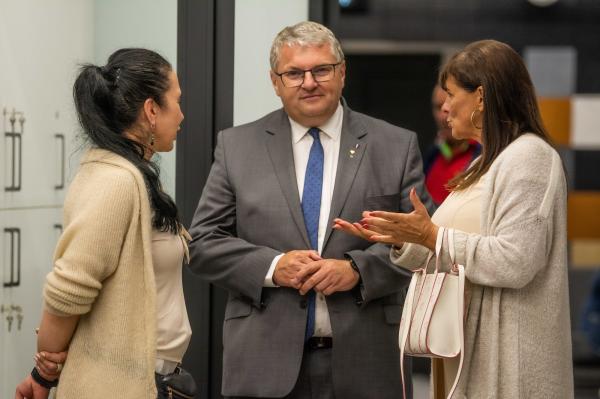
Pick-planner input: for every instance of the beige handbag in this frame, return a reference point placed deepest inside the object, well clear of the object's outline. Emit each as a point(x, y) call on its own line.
point(433, 314)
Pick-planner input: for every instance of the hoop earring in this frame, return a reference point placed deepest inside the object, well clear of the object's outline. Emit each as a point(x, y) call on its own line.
point(473, 123)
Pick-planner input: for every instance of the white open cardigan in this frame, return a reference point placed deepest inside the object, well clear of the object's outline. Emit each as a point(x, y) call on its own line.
point(517, 332)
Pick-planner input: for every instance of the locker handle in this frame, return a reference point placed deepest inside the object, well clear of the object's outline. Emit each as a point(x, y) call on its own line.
point(15, 235)
point(15, 184)
point(15, 136)
point(61, 137)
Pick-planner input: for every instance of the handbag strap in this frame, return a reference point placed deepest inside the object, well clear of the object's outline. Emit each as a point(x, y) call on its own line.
point(408, 314)
point(442, 232)
point(461, 308)
point(451, 249)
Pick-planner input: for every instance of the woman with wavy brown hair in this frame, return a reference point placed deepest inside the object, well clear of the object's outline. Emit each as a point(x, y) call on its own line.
point(508, 212)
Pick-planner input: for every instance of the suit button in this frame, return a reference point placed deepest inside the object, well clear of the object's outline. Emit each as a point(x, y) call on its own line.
point(303, 303)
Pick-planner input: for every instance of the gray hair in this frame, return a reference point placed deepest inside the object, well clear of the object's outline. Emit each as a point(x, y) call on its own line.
point(306, 33)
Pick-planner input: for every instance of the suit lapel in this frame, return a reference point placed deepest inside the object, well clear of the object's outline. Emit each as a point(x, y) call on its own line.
point(279, 147)
point(352, 149)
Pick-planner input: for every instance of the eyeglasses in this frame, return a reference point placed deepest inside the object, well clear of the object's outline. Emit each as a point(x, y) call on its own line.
point(320, 73)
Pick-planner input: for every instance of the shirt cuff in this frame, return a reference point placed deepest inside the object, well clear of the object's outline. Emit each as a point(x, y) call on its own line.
point(269, 277)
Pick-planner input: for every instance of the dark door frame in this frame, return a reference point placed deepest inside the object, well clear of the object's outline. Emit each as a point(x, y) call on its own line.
point(205, 48)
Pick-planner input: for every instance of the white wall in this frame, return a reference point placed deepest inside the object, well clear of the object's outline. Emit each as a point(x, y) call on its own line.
point(41, 44)
point(256, 24)
point(139, 23)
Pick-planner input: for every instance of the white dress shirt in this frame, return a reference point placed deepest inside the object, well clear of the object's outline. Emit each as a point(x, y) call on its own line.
point(329, 134)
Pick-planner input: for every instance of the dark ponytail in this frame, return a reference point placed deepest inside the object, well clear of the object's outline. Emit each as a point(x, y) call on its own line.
point(109, 99)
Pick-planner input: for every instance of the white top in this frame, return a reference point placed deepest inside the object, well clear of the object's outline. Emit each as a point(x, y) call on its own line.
point(173, 327)
point(330, 135)
point(461, 210)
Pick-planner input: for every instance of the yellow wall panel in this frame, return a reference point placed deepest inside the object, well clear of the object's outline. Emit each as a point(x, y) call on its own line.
point(584, 214)
point(556, 114)
point(585, 253)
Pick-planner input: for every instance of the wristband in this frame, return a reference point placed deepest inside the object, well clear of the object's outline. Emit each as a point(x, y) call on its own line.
point(353, 265)
point(357, 289)
point(42, 381)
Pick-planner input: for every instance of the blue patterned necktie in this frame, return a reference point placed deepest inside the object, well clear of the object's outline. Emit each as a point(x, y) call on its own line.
point(311, 209)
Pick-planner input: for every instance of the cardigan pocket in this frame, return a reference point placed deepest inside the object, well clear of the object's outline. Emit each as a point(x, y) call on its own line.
point(237, 308)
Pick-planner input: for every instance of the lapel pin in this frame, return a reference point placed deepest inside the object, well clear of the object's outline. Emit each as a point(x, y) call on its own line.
point(353, 151)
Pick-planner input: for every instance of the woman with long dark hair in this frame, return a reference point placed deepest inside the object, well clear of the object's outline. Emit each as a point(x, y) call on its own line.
point(508, 212)
point(114, 299)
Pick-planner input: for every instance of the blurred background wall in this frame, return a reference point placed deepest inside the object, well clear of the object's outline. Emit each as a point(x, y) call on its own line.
point(137, 23)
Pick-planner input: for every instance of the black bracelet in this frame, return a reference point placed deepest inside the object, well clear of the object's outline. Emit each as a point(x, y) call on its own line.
point(353, 265)
point(42, 381)
point(357, 289)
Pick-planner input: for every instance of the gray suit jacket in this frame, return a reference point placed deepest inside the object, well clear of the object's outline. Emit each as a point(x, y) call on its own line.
point(250, 212)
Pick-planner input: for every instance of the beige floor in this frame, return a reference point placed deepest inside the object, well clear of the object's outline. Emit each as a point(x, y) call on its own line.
point(420, 386)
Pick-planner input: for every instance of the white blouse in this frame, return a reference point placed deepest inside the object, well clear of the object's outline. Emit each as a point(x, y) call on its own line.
point(173, 327)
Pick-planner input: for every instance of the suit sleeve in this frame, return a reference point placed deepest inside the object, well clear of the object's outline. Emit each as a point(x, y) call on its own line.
point(413, 177)
point(380, 277)
point(217, 254)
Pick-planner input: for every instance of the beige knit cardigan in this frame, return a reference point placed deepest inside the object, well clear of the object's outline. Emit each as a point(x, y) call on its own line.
point(517, 332)
point(103, 271)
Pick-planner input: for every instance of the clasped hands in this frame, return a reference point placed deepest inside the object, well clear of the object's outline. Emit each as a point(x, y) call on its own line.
point(394, 228)
point(305, 270)
point(49, 366)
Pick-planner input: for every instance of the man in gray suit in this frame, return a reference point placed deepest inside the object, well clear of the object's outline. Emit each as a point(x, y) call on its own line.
point(312, 313)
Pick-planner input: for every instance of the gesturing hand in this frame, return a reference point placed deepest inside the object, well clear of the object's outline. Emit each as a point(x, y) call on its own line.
point(395, 228)
point(356, 229)
point(290, 264)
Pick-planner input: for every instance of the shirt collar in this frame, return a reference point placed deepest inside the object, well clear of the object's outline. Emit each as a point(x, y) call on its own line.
point(332, 128)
